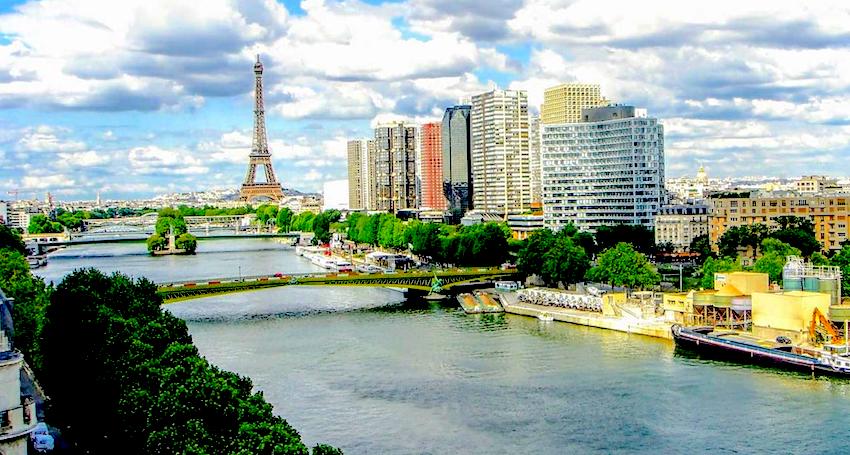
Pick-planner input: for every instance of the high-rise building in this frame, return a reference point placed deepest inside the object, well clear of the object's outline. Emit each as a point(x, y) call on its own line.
point(534, 158)
point(563, 103)
point(457, 168)
point(431, 166)
point(501, 172)
point(607, 169)
point(395, 171)
point(357, 180)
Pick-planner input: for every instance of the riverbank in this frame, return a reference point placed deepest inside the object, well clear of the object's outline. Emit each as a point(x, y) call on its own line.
point(626, 324)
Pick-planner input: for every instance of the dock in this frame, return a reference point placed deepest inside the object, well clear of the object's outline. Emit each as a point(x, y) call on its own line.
point(480, 302)
point(624, 323)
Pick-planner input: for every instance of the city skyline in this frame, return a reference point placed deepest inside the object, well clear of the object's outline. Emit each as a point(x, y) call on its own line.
point(133, 107)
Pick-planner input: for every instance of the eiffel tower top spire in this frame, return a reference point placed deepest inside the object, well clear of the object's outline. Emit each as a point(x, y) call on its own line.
point(260, 143)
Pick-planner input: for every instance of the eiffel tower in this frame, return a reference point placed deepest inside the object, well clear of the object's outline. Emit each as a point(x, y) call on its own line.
point(260, 155)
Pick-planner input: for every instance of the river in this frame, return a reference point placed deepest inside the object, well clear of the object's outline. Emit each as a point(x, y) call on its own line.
point(366, 371)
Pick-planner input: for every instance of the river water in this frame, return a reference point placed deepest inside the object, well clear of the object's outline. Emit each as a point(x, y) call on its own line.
point(366, 371)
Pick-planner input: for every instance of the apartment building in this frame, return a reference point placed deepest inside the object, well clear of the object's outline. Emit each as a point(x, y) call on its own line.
point(395, 167)
point(607, 169)
point(431, 166)
point(680, 224)
point(828, 212)
point(501, 171)
point(564, 103)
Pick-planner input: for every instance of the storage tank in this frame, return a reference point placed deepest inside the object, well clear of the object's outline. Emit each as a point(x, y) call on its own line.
point(811, 284)
point(792, 284)
point(830, 286)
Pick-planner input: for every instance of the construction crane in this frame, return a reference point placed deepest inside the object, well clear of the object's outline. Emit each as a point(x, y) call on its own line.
point(816, 335)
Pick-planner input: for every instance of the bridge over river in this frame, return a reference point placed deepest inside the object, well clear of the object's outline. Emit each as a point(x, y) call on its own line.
point(416, 280)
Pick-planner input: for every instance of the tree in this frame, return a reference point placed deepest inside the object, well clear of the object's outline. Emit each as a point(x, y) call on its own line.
point(565, 262)
point(154, 392)
point(39, 224)
point(303, 222)
point(186, 241)
point(284, 219)
point(530, 257)
point(716, 265)
point(156, 242)
point(842, 260)
point(322, 224)
point(640, 237)
point(31, 295)
point(10, 239)
point(622, 265)
point(702, 244)
point(773, 257)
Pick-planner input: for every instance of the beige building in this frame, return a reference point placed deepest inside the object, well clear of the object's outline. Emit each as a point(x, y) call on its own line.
point(680, 224)
point(815, 184)
point(501, 168)
point(535, 158)
point(829, 213)
point(563, 103)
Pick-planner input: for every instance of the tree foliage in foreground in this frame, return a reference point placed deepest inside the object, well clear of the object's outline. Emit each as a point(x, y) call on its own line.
point(556, 257)
point(123, 374)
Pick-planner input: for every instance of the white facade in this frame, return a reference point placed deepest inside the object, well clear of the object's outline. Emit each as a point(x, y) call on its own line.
point(606, 171)
point(17, 413)
point(501, 168)
point(4, 215)
point(18, 219)
point(680, 224)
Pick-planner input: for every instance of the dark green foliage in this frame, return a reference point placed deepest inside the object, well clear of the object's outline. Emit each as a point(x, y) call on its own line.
point(642, 238)
point(39, 224)
point(303, 222)
point(112, 353)
point(284, 220)
point(716, 265)
point(30, 294)
point(624, 266)
point(702, 244)
point(773, 257)
point(156, 242)
point(267, 212)
point(186, 241)
point(209, 210)
point(10, 239)
point(322, 224)
point(796, 231)
point(842, 260)
point(557, 258)
point(324, 449)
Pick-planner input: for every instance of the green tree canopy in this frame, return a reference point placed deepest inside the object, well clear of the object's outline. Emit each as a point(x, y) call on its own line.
point(566, 262)
point(622, 265)
point(702, 244)
point(716, 265)
point(773, 257)
point(10, 239)
point(39, 224)
point(640, 237)
point(284, 219)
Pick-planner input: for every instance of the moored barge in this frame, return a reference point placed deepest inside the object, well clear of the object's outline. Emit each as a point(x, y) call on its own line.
point(730, 345)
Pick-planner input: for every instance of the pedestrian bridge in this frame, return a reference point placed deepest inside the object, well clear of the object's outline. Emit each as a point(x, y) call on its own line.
point(418, 280)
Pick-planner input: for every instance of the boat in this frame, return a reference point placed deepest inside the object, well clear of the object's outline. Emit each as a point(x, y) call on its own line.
point(830, 360)
point(545, 317)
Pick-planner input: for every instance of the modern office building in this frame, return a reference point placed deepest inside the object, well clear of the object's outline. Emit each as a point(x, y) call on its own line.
point(564, 103)
point(680, 224)
point(501, 170)
point(457, 166)
point(534, 158)
point(828, 212)
point(607, 169)
point(431, 166)
point(395, 167)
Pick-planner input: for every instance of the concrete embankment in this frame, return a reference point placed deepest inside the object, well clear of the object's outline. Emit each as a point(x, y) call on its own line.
point(587, 318)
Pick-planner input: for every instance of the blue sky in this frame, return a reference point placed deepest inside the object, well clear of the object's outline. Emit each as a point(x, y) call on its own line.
point(141, 97)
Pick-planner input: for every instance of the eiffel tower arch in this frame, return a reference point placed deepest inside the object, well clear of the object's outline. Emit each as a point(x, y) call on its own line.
point(260, 156)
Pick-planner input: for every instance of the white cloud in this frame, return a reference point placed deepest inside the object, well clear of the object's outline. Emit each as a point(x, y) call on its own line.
point(44, 139)
point(154, 160)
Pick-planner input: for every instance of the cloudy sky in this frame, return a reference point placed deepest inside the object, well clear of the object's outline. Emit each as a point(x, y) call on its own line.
point(140, 97)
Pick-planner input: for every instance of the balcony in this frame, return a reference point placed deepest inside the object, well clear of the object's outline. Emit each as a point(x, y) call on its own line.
point(19, 420)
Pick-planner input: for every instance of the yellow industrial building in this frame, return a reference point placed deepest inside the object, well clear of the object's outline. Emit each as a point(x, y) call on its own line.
point(787, 314)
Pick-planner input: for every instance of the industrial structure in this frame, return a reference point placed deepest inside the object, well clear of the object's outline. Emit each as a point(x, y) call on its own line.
point(260, 156)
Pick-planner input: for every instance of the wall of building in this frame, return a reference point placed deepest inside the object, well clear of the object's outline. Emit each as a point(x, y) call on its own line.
point(563, 103)
point(603, 173)
point(432, 166)
point(501, 172)
point(789, 311)
point(457, 158)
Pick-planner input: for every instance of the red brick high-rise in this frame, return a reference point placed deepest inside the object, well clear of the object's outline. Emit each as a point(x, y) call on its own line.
point(432, 167)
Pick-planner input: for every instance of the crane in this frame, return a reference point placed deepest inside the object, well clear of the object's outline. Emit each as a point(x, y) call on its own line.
point(818, 317)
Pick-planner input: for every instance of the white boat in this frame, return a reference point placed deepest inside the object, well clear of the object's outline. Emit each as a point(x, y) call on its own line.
point(545, 317)
point(343, 266)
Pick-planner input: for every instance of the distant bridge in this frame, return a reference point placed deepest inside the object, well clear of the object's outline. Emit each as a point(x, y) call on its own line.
point(418, 280)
